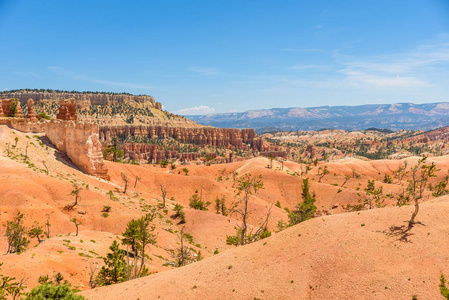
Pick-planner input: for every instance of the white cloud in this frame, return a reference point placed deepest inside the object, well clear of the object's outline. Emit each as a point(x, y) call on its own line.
point(205, 71)
point(196, 110)
point(308, 67)
point(412, 69)
point(303, 50)
point(361, 78)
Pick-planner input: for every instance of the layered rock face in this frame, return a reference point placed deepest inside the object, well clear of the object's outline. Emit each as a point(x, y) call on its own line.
point(202, 136)
point(80, 141)
point(154, 153)
point(67, 110)
point(84, 99)
point(6, 107)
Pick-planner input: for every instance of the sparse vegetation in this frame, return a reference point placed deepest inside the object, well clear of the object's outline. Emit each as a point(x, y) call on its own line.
point(77, 224)
point(15, 234)
point(247, 185)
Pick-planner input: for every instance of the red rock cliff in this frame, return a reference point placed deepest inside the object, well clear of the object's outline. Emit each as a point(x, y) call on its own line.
point(202, 136)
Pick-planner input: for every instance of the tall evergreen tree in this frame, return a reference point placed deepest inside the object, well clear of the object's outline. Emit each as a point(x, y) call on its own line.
point(114, 270)
point(304, 210)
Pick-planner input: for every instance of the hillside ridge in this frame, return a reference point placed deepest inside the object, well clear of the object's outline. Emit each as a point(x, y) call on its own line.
point(387, 116)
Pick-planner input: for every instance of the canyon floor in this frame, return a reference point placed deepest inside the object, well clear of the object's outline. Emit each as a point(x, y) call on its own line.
point(337, 255)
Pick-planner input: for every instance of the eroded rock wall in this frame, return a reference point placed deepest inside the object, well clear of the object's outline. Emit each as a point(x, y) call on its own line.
point(80, 141)
point(155, 153)
point(202, 136)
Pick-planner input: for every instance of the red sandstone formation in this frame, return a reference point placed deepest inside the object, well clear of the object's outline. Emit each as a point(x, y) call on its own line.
point(6, 104)
point(202, 136)
point(67, 110)
point(311, 150)
point(154, 153)
point(274, 154)
point(81, 144)
point(434, 135)
point(31, 115)
point(78, 140)
point(1, 107)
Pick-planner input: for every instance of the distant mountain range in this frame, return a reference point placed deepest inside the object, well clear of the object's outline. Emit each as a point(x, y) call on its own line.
point(384, 116)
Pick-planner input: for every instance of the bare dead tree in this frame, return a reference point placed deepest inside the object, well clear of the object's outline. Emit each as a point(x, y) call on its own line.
point(182, 253)
point(126, 180)
point(135, 182)
point(247, 185)
point(164, 193)
point(92, 281)
point(347, 177)
point(45, 165)
point(26, 151)
point(47, 223)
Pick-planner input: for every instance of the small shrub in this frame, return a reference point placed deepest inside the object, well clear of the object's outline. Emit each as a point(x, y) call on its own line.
point(196, 203)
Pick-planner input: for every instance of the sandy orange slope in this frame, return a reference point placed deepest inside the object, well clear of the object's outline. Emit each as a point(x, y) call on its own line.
point(363, 255)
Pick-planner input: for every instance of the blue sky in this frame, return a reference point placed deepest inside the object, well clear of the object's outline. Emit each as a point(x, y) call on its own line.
point(223, 56)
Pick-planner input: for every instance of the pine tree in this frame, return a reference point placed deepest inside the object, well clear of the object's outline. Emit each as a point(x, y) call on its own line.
point(114, 270)
point(304, 210)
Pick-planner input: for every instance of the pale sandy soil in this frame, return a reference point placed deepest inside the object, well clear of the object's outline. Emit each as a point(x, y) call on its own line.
point(346, 256)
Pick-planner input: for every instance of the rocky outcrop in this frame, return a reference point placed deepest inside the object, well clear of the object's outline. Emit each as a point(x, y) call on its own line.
point(202, 136)
point(67, 110)
point(8, 104)
point(155, 153)
point(31, 115)
point(84, 99)
point(80, 141)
